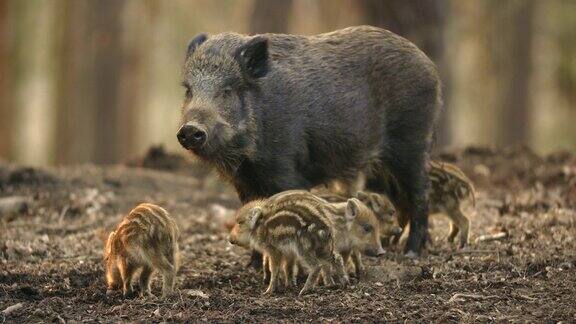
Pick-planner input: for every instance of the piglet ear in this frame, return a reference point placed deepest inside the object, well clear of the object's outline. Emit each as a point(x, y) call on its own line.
point(255, 216)
point(195, 42)
point(352, 209)
point(253, 57)
point(384, 205)
point(362, 196)
point(377, 202)
point(369, 199)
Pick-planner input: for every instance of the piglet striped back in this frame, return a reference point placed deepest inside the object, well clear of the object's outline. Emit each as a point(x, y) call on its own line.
point(150, 221)
point(448, 179)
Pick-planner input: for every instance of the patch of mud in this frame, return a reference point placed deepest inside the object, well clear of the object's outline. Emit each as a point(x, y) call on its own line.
point(51, 262)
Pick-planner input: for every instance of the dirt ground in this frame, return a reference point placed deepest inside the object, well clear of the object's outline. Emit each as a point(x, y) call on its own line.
point(53, 220)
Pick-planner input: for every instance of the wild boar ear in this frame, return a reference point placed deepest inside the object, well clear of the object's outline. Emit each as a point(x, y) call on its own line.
point(352, 209)
point(253, 57)
point(195, 42)
point(256, 213)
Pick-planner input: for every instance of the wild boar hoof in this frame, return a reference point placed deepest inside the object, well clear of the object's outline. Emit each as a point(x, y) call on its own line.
point(411, 255)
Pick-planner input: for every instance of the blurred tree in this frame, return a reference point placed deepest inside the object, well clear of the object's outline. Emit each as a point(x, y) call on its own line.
point(5, 85)
point(30, 89)
point(565, 30)
point(139, 21)
point(270, 16)
point(423, 22)
point(337, 14)
point(74, 98)
point(101, 80)
point(106, 28)
point(510, 41)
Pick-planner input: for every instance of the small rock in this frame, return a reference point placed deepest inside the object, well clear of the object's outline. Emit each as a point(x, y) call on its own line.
point(482, 170)
point(11, 309)
point(14, 205)
point(566, 265)
point(198, 293)
point(157, 312)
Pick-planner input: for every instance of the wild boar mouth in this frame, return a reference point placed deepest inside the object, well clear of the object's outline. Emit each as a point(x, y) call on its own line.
point(225, 156)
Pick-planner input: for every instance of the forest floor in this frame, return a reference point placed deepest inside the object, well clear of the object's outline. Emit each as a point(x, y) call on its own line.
point(53, 220)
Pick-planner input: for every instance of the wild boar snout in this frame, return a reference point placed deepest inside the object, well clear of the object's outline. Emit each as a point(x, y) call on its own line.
point(375, 252)
point(191, 136)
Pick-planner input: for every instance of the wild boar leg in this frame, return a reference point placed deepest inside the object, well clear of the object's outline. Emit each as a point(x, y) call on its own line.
point(358, 265)
point(326, 276)
point(266, 268)
point(340, 269)
point(409, 171)
point(168, 271)
point(145, 279)
point(295, 270)
point(288, 266)
point(274, 261)
point(126, 269)
point(460, 224)
point(311, 280)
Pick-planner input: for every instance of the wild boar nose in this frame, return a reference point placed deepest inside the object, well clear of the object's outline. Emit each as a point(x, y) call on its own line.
point(191, 136)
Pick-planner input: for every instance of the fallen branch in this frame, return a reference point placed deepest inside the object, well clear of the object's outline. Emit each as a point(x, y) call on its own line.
point(526, 297)
point(475, 252)
point(461, 297)
point(492, 237)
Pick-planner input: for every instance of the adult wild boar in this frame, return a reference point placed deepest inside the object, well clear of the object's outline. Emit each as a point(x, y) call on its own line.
point(275, 112)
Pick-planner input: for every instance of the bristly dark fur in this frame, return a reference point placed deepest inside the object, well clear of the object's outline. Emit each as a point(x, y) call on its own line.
point(309, 109)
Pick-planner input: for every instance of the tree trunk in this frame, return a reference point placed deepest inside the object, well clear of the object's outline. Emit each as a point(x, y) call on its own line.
point(138, 25)
point(74, 104)
point(106, 21)
point(89, 112)
point(517, 61)
point(5, 85)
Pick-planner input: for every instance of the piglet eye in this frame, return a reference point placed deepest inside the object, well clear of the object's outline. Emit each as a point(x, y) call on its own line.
point(367, 228)
point(227, 92)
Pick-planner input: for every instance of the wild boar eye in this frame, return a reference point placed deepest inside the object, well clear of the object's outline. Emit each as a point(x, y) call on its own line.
point(367, 228)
